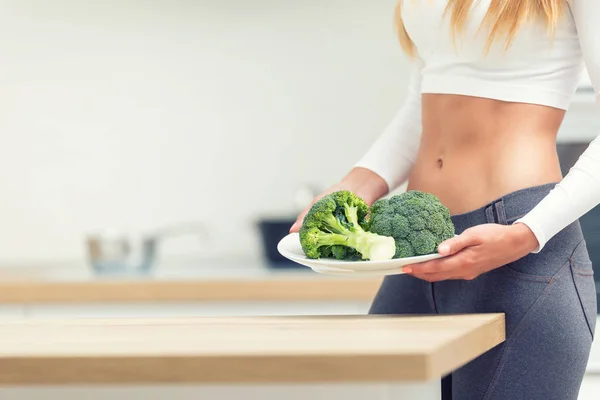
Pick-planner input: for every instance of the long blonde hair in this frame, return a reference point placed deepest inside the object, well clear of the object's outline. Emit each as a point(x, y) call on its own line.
point(503, 17)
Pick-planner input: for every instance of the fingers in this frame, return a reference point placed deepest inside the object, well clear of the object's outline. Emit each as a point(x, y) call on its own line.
point(439, 266)
point(296, 226)
point(446, 276)
point(458, 266)
point(457, 243)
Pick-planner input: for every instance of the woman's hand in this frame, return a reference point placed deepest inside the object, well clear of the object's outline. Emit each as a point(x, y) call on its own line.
point(362, 182)
point(477, 250)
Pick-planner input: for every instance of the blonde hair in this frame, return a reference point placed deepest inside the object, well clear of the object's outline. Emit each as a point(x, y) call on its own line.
point(503, 17)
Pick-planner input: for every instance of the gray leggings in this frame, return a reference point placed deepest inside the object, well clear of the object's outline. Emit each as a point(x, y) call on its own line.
point(549, 300)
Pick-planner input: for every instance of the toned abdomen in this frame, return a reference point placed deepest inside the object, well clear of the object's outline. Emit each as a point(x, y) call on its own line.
point(475, 150)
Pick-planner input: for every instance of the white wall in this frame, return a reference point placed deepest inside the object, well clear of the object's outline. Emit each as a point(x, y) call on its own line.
point(132, 114)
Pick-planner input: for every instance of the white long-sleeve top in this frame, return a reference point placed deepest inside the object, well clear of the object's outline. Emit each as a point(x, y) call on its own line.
point(537, 69)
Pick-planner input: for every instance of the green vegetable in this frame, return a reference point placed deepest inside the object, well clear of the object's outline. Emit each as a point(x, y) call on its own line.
point(335, 227)
point(417, 221)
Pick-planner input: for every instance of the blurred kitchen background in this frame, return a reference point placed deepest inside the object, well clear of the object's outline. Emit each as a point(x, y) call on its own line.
point(134, 115)
point(206, 123)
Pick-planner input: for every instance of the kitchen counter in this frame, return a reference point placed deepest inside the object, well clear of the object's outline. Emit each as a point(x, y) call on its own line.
point(226, 350)
point(213, 281)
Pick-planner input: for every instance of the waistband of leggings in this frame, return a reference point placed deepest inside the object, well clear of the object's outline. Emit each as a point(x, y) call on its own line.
point(506, 209)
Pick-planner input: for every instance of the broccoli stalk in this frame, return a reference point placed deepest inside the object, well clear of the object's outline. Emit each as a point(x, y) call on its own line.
point(334, 227)
point(371, 246)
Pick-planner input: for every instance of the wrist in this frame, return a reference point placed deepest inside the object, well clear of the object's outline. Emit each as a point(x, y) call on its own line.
point(366, 184)
point(524, 238)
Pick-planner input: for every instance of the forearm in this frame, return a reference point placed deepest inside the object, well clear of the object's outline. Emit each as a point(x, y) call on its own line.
point(366, 184)
point(393, 154)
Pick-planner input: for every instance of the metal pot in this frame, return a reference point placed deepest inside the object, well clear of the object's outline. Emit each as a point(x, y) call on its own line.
point(110, 251)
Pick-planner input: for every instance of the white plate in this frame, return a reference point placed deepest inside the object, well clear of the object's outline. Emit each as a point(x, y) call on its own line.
point(381, 272)
point(290, 248)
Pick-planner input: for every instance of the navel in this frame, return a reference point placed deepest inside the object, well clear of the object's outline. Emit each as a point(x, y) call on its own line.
point(440, 163)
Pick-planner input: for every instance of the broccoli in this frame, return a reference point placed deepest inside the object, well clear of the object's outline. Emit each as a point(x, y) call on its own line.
point(418, 222)
point(335, 227)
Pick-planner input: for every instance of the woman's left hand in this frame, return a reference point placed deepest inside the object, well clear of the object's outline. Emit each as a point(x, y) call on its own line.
point(477, 250)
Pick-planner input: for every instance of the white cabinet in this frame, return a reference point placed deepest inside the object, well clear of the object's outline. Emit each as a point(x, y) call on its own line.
point(12, 311)
point(349, 392)
point(590, 389)
point(189, 309)
point(346, 391)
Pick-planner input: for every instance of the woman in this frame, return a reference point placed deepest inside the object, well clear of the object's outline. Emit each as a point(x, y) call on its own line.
point(490, 84)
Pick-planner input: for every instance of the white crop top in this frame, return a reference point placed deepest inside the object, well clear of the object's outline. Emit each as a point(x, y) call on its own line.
point(536, 69)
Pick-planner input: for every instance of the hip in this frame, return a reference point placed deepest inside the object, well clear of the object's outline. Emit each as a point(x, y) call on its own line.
point(560, 275)
point(567, 245)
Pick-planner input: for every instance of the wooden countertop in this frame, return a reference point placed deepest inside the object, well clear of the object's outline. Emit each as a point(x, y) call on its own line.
point(76, 284)
point(243, 349)
point(283, 289)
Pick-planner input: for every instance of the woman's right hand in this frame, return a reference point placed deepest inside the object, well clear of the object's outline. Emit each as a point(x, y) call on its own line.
point(363, 182)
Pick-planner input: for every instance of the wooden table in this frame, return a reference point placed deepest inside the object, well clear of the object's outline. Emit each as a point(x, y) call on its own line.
point(243, 350)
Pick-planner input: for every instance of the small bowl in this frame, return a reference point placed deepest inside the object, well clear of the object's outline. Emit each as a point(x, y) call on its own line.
point(109, 254)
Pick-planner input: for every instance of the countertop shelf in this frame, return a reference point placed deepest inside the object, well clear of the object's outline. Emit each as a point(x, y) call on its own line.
point(243, 349)
point(232, 281)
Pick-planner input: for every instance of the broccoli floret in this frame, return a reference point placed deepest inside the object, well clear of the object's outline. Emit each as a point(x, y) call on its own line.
point(417, 221)
point(403, 249)
point(335, 227)
point(344, 253)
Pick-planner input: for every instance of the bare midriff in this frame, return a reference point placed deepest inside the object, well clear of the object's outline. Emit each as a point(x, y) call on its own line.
point(475, 150)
